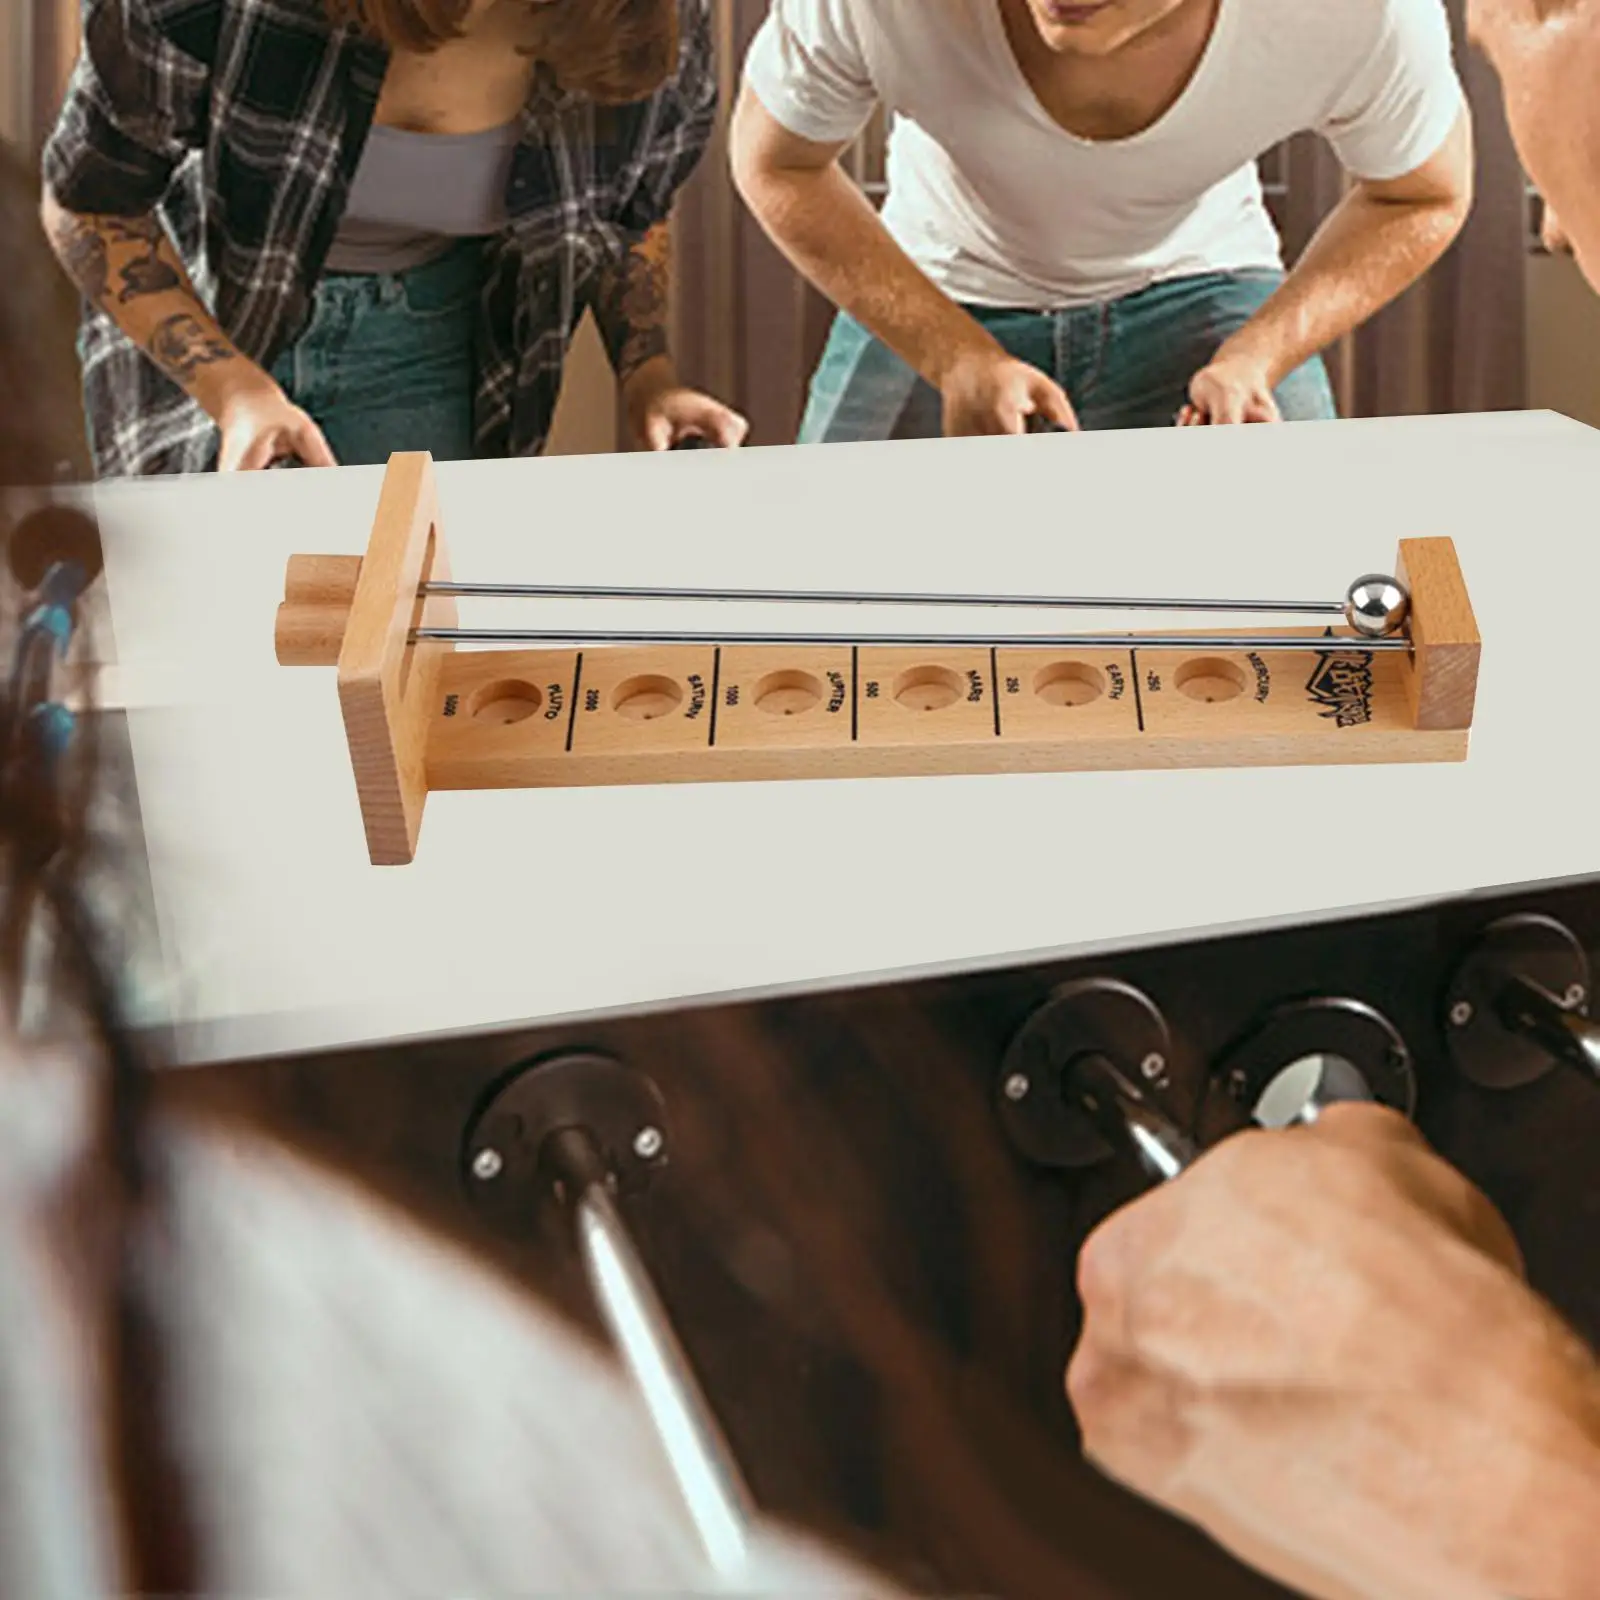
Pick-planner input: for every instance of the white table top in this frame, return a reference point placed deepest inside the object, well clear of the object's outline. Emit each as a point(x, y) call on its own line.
point(526, 906)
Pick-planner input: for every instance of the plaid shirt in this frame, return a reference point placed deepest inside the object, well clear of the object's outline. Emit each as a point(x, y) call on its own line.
point(241, 122)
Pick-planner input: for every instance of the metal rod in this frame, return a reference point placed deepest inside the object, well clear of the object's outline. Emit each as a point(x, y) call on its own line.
point(1156, 1154)
point(1572, 1038)
point(1164, 1150)
point(556, 591)
point(1338, 644)
point(708, 1478)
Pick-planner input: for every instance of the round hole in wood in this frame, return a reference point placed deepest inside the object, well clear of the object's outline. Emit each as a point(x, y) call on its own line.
point(646, 697)
point(1210, 678)
point(1069, 683)
point(928, 689)
point(788, 694)
point(509, 700)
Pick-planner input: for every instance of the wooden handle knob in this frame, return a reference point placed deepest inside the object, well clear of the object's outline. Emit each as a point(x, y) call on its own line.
point(309, 635)
point(321, 581)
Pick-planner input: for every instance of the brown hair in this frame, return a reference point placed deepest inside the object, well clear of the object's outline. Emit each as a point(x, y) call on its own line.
point(613, 51)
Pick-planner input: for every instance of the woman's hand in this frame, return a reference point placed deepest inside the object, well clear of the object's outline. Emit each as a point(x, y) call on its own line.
point(663, 413)
point(1317, 1345)
point(260, 425)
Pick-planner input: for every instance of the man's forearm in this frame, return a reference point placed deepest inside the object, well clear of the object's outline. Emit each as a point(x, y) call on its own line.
point(1366, 254)
point(127, 267)
point(830, 233)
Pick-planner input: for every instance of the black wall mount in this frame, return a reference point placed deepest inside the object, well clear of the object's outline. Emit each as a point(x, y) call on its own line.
point(1035, 1097)
point(509, 1161)
point(1348, 1029)
point(1516, 1004)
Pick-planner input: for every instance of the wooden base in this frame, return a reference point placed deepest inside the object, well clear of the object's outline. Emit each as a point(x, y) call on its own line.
point(427, 716)
point(545, 718)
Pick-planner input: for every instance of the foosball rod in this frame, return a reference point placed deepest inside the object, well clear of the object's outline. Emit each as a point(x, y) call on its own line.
point(714, 1491)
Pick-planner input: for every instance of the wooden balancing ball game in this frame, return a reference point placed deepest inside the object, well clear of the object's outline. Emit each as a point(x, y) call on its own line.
point(1394, 682)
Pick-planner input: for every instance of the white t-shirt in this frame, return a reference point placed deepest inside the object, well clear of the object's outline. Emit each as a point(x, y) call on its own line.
point(1000, 206)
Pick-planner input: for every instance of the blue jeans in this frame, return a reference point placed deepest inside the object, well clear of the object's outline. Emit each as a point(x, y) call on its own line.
point(1124, 363)
point(386, 362)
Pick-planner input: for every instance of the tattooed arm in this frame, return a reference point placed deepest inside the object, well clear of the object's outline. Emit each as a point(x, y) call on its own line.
point(129, 268)
point(632, 304)
point(631, 307)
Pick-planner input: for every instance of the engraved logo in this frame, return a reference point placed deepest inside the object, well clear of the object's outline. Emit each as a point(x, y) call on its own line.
point(1342, 685)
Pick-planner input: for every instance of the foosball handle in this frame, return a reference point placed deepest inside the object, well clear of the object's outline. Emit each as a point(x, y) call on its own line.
point(1127, 1118)
point(1571, 1038)
point(1515, 1009)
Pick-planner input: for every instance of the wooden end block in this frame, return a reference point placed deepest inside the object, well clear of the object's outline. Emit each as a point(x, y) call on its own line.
point(321, 580)
point(387, 684)
point(309, 636)
point(1443, 681)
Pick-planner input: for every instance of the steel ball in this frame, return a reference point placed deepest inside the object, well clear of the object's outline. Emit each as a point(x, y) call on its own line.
point(1376, 606)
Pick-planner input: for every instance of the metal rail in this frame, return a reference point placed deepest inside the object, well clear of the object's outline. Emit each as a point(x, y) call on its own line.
point(1333, 644)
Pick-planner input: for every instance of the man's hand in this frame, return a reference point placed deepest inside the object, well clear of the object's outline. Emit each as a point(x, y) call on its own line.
point(1230, 390)
point(663, 413)
point(260, 425)
point(992, 392)
point(1316, 1344)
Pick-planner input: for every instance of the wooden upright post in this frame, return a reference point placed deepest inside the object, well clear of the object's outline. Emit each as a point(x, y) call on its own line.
point(387, 683)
